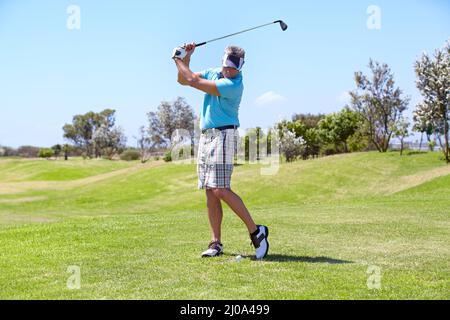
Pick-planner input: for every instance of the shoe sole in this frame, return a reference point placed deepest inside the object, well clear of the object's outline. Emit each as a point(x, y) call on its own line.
point(267, 240)
point(206, 256)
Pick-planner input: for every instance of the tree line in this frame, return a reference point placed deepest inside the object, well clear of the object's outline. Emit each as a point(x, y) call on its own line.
point(373, 117)
point(375, 114)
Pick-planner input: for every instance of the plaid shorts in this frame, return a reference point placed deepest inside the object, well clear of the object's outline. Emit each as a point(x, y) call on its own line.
point(215, 158)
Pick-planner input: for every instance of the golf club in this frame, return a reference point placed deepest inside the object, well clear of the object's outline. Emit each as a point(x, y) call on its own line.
point(282, 25)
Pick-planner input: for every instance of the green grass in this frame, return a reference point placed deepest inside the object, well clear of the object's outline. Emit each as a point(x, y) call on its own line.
point(138, 234)
point(55, 170)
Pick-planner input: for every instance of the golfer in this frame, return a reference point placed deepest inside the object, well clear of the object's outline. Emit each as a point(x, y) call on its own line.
point(219, 121)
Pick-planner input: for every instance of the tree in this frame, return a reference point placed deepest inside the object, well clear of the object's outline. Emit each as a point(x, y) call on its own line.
point(66, 148)
point(423, 122)
point(95, 133)
point(433, 82)
point(56, 150)
point(309, 120)
point(108, 141)
point(296, 127)
point(80, 132)
point(309, 135)
point(312, 143)
point(45, 153)
point(337, 128)
point(107, 138)
point(168, 118)
point(379, 103)
point(308, 129)
point(28, 151)
point(8, 152)
point(144, 144)
point(400, 131)
point(290, 145)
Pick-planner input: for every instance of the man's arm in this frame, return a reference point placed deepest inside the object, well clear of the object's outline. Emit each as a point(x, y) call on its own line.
point(194, 80)
point(190, 48)
point(181, 79)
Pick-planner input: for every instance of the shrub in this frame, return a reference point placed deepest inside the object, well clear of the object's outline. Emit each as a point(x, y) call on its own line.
point(168, 156)
point(57, 149)
point(328, 149)
point(130, 155)
point(291, 146)
point(45, 153)
point(358, 142)
point(431, 145)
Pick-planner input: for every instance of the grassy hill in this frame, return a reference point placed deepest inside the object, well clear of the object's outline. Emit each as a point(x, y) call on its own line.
point(136, 231)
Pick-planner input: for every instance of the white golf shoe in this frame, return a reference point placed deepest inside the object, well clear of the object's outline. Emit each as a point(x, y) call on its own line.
point(215, 248)
point(260, 242)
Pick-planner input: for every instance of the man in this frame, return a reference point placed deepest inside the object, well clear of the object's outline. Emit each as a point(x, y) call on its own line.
point(219, 120)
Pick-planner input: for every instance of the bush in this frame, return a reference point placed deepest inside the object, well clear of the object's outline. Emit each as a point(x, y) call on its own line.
point(358, 142)
point(57, 149)
point(431, 145)
point(328, 149)
point(290, 145)
point(130, 155)
point(45, 153)
point(168, 156)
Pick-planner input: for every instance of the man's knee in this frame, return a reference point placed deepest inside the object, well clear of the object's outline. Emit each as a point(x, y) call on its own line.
point(219, 192)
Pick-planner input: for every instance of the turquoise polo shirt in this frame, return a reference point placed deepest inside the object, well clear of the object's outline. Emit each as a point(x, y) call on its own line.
point(223, 110)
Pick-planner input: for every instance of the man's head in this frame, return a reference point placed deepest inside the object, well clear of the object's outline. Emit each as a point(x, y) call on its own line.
point(232, 61)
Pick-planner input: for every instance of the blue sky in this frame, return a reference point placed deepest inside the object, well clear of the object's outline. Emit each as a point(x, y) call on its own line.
point(120, 58)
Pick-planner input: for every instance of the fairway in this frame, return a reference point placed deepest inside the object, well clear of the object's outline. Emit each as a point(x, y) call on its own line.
point(136, 231)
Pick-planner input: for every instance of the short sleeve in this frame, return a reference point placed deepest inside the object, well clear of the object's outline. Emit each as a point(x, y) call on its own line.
point(205, 73)
point(227, 88)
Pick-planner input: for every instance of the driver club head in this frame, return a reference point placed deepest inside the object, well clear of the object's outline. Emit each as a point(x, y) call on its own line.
point(282, 24)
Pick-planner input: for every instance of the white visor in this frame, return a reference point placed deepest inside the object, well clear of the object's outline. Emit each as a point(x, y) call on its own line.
point(231, 61)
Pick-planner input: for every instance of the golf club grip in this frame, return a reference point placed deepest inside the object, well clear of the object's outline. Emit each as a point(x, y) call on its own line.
point(200, 44)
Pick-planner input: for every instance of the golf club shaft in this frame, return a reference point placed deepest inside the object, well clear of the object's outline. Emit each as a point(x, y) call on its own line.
point(233, 34)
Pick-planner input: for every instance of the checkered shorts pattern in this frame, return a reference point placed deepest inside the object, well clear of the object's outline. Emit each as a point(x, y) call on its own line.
point(215, 158)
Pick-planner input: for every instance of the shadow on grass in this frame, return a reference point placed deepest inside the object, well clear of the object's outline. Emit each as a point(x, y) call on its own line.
point(288, 258)
point(411, 153)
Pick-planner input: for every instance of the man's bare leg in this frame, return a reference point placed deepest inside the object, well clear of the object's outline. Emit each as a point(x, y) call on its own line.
point(215, 214)
point(237, 205)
